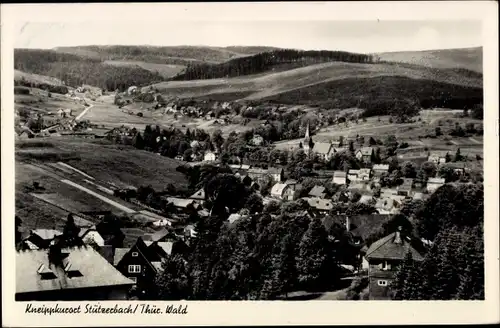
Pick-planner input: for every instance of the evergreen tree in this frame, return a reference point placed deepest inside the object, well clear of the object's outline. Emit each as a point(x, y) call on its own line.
point(138, 141)
point(458, 156)
point(173, 281)
point(313, 259)
point(287, 274)
point(70, 232)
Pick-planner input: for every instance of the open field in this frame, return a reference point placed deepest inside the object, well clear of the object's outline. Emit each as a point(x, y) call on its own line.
point(271, 84)
point(408, 132)
point(165, 70)
point(467, 58)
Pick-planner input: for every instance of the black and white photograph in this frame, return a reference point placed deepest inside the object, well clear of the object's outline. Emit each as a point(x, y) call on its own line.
point(248, 160)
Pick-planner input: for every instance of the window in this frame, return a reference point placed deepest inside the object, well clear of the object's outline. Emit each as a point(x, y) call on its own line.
point(382, 282)
point(134, 268)
point(135, 254)
point(386, 266)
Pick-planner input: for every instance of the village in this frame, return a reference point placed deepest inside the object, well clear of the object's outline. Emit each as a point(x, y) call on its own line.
point(129, 259)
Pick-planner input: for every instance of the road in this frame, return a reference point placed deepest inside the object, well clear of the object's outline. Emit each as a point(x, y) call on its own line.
point(104, 199)
point(84, 111)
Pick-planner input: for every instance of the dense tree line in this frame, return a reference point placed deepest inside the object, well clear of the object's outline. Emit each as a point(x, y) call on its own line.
point(77, 70)
point(383, 95)
point(452, 219)
point(265, 61)
point(61, 89)
point(258, 257)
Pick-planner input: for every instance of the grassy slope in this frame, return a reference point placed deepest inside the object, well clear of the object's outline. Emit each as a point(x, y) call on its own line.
point(165, 70)
point(467, 58)
point(121, 166)
point(29, 77)
point(266, 85)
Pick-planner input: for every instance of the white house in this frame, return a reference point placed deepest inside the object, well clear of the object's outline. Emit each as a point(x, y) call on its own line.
point(339, 177)
point(379, 169)
point(364, 154)
point(209, 157)
point(91, 236)
point(282, 191)
point(323, 149)
point(434, 183)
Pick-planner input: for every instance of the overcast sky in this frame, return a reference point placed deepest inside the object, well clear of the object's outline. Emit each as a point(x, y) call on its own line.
point(350, 36)
point(328, 26)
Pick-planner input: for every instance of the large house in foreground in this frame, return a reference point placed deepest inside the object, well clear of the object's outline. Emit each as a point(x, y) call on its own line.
point(68, 274)
point(384, 257)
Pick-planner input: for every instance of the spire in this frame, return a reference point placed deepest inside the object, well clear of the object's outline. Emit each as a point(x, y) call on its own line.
point(307, 132)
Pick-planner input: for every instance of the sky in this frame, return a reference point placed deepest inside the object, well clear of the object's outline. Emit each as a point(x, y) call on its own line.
point(350, 26)
point(363, 36)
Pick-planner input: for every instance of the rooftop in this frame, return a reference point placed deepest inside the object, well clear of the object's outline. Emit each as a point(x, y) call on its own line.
point(34, 273)
point(391, 248)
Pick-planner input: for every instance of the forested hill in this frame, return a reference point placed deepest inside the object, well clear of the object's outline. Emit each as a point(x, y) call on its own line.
point(75, 70)
point(266, 61)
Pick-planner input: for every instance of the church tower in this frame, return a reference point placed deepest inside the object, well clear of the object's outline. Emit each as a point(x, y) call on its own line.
point(306, 144)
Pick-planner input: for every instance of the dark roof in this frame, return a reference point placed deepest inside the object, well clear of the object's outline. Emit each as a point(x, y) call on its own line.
point(200, 194)
point(386, 248)
point(364, 225)
point(95, 271)
point(107, 252)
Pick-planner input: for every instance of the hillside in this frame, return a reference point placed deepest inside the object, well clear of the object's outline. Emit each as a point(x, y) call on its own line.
point(466, 58)
point(76, 70)
point(266, 61)
point(176, 55)
point(313, 77)
point(105, 165)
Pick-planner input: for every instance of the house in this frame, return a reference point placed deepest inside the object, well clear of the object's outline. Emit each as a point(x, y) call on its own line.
point(181, 203)
point(141, 262)
point(68, 274)
point(358, 229)
point(322, 206)
point(387, 205)
point(436, 158)
point(257, 140)
point(318, 192)
point(359, 175)
point(199, 196)
point(40, 238)
point(91, 236)
point(132, 90)
point(234, 217)
point(364, 154)
point(379, 169)
point(384, 257)
point(278, 174)
point(366, 199)
point(282, 191)
point(434, 183)
point(339, 177)
point(209, 157)
point(406, 187)
point(165, 234)
point(323, 149)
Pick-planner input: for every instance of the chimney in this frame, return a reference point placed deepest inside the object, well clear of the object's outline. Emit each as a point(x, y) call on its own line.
point(397, 238)
point(347, 224)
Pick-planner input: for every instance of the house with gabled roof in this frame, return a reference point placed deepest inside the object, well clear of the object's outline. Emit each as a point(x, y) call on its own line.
point(434, 183)
point(339, 177)
point(199, 196)
point(323, 149)
point(319, 205)
point(68, 274)
point(379, 169)
point(91, 236)
point(141, 262)
point(282, 191)
point(384, 257)
point(318, 191)
point(277, 173)
point(405, 188)
point(40, 238)
point(364, 154)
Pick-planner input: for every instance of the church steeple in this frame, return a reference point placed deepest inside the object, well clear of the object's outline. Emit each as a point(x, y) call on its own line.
point(306, 137)
point(307, 143)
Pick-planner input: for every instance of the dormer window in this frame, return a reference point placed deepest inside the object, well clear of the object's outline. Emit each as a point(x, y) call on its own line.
point(135, 254)
point(46, 273)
